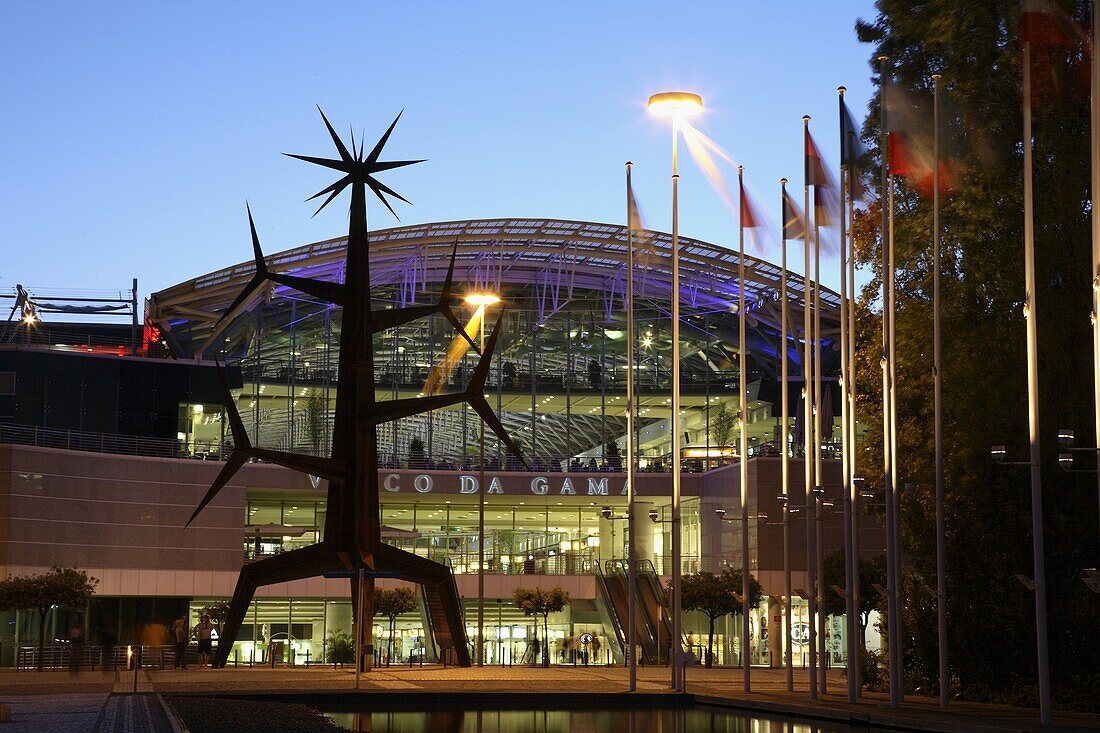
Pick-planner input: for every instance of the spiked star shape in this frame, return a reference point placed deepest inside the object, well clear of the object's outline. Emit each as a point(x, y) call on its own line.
point(356, 168)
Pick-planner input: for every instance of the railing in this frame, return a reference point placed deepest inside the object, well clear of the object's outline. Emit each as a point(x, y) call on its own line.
point(135, 445)
point(130, 445)
point(507, 377)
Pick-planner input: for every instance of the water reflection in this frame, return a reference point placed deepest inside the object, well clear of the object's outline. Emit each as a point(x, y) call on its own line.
point(699, 719)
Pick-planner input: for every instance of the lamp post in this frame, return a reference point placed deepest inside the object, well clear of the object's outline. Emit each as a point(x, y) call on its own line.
point(481, 301)
point(677, 106)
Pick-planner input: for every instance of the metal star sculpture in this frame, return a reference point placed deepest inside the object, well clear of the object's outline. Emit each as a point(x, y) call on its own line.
point(352, 538)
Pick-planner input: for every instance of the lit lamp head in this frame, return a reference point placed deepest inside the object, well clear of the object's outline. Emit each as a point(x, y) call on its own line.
point(654, 516)
point(482, 299)
point(677, 105)
point(1065, 437)
point(1065, 461)
point(720, 512)
point(606, 512)
point(998, 453)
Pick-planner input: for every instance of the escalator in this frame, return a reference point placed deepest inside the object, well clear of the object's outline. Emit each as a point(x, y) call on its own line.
point(614, 585)
point(448, 627)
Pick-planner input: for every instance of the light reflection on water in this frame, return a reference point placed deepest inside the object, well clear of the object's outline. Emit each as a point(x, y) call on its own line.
point(699, 719)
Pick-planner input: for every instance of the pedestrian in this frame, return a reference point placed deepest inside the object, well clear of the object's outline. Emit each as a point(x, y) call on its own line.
point(76, 646)
point(107, 640)
point(180, 635)
point(204, 631)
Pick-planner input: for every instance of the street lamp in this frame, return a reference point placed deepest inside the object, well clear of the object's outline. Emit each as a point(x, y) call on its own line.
point(481, 301)
point(1066, 439)
point(677, 106)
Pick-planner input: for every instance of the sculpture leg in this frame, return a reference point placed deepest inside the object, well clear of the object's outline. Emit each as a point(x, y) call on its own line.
point(440, 593)
point(307, 562)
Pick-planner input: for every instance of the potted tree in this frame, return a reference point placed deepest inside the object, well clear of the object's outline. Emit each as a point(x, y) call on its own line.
point(391, 604)
point(540, 602)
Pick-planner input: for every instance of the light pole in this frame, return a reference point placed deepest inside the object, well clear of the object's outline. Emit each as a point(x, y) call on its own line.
point(677, 106)
point(481, 301)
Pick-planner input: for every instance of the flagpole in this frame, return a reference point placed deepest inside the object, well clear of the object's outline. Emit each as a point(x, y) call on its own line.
point(807, 430)
point(632, 562)
point(785, 461)
point(819, 486)
point(893, 638)
point(855, 498)
point(677, 571)
point(1031, 316)
point(742, 359)
point(1095, 134)
point(937, 374)
point(845, 443)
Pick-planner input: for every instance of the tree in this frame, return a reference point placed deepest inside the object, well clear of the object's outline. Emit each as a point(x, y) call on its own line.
point(339, 647)
point(66, 587)
point(391, 604)
point(871, 570)
point(715, 596)
point(539, 602)
point(976, 49)
point(723, 422)
point(216, 611)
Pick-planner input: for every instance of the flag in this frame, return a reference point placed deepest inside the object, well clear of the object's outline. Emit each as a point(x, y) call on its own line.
point(851, 150)
point(634, 214)
point(815, 169)
point(826, 206)
point(909, 145)
point(910, 155)
point(1048, 22)
point(749, 218)
point(794, 221)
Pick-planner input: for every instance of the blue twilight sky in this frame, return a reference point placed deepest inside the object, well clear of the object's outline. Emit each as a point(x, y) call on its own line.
point(133, 133)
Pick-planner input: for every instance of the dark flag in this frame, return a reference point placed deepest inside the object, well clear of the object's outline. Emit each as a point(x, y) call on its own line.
point(851, 150)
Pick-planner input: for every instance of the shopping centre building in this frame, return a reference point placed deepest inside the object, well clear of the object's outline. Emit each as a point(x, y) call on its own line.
point(105, 453)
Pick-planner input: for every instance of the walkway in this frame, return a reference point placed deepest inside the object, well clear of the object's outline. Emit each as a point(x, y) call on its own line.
point(75, 696)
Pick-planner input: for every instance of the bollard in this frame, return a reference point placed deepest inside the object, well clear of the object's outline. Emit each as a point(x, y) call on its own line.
point(236, 657)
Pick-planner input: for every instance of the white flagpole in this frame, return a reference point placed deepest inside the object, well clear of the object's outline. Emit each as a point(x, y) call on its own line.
point(937, 375)
point(845, 443)
point(819, 486)
point(854, 462)
point(676, 646)
point(743, 363)
point(887, 392)
point(1095, 134)
point(632, 562)
point(808, 433)
point(1031, 315)
point(785, 460)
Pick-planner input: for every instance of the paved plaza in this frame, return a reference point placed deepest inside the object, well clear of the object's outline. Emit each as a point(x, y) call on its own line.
point(104, 702)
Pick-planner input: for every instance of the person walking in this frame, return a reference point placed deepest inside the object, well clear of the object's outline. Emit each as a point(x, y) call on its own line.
point(204, 632)
point(180, 636)
point(76, 646)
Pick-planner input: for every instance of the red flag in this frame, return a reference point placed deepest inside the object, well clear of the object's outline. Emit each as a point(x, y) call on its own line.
point(815, 169)
point(1048, 22)
point(794, 222)
point(749, 219)
point(910, 155)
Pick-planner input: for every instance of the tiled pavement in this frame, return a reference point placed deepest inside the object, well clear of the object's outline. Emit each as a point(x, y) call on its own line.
point(66, 713)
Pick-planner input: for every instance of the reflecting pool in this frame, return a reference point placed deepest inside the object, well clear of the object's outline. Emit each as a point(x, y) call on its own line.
point(696, 719)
